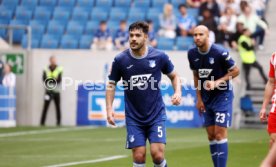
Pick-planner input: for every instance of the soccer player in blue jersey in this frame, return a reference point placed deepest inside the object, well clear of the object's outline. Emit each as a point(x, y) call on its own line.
point(140, 68)
point(213, 68)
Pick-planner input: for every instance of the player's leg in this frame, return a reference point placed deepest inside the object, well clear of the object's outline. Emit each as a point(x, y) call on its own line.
point(246, 69)
point(136, 140)
point(212, 143)
point(139, 156)
point(157, 138)
point(261, 71)
point(223, 119)
point(209, 123)
point(47, 100)
point(57, 104)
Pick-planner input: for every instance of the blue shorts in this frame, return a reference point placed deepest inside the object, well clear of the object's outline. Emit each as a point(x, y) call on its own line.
point(137, 135)
point(220, 116)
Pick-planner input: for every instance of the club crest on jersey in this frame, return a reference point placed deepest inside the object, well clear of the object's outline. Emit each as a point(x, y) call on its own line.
point(211, 60)
point(139, 80)
point(152, 63)
point(204, 73)
point(131, 138)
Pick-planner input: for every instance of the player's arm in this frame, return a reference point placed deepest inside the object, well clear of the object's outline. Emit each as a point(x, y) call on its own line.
point(109, 97)
point(232, 73)
point(269, 88)
point(199, 105)
point(176, 98)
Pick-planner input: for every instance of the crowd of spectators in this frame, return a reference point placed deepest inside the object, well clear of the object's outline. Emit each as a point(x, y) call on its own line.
point(225, 19)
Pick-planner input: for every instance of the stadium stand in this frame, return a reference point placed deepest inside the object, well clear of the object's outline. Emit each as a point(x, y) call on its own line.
point(87, 14)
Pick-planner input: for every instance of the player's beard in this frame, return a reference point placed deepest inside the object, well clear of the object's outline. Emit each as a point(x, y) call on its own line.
point(138, 47)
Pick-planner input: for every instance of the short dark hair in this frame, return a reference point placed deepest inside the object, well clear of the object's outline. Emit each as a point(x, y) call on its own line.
point(139, 25)
point(102, 22)
point(182, 5)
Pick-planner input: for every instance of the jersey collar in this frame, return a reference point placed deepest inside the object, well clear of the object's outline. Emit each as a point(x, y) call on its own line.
point(205, 53)
point(140, 57)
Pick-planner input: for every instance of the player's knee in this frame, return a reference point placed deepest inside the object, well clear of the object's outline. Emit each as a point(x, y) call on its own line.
point(219, 136)
point(211, 137)
point(157, 156)
point(271, 142)
point(139, 157)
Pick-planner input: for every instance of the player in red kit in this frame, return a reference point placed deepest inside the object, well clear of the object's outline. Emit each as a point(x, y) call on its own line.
point(270, 93)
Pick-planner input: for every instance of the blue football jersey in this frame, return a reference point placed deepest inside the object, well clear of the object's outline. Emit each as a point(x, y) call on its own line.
point(212, 65)
point(143, 100)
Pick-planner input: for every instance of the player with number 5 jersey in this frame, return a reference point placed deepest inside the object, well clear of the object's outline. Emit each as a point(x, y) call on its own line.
point(140, 67)
point(213, 68)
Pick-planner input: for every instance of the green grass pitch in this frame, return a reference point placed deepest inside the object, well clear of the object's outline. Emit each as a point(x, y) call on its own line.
point(185, 147)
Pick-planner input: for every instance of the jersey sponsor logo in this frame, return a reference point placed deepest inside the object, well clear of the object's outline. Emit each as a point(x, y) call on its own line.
point(211, 60)
point(139, 80)
point(204, 73)
point(196, 60)
point(152, 63)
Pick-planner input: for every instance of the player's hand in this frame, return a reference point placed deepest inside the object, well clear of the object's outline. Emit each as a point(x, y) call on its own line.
point(111, 117)
point(210, 85)
point(262, 115)
point(200, 106)
point(176, 99)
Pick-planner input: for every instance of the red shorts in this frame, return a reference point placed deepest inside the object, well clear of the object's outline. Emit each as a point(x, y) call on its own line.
point(271, 126)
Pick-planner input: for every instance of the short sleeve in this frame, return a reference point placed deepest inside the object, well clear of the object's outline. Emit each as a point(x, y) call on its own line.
point(227, 60)
point(167, 66)
point(192, 67)
point(271, 67)
point(115, 74)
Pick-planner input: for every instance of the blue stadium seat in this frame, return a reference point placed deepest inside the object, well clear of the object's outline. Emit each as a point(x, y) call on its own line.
point(80, 16)
point(193, 12)
point(118, 14)
point(10, 4)
point(82, 9)
point(67, 3)
point(49, 41)
point(91, 27)
point(42, 13)
point(61, 16)
point(113, 26)
point(69, 42)
point(86, 3)
point(135, 16)
point(23, 14)
point(49, 3)
point(74, 29)
point(85, 41)
point(176, 3)
point(104, 3)
point(18, 33)
point(184, 43)
point(34, 43)
point(165, 43)
point(142, 3)
point(6, 14)
point(3, 32)
point(122, 3)
point(153, 14)
point(99, 14)
point(138, 10)
point(55, 28)
point(29, 4)
point(159, 3)
point(38, 29)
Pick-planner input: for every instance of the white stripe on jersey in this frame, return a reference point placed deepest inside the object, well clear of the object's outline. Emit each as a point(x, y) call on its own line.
point(273, 99)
